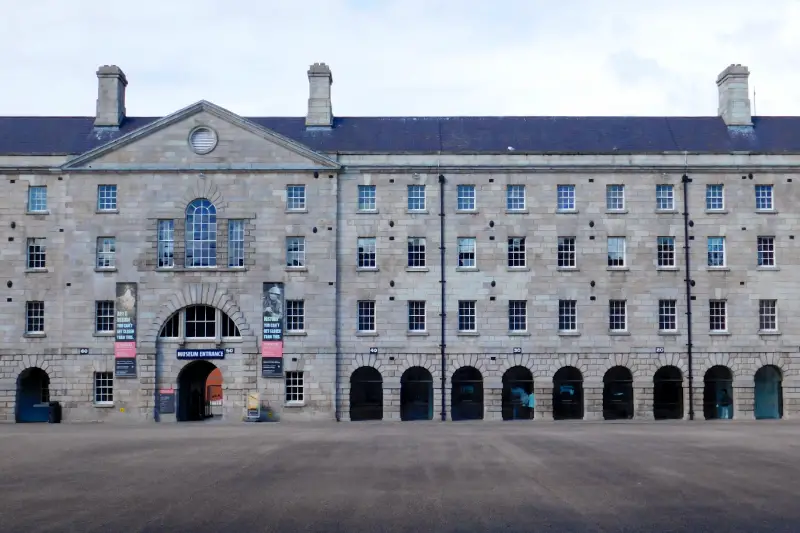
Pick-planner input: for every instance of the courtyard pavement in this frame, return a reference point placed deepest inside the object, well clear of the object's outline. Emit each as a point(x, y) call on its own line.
point(410, 477)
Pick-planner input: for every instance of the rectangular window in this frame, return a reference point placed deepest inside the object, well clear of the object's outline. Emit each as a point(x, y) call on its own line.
point(617, 315)
point(466, 252)
point(567, 315)
point(366, 315)
point(104, 316)
point(515, 197)
point(566, 198)
point(235, 243)
point(106, 252)
point(716, 251)
point(294, 388)
point(103, 388)
point(34, 317)
point(296, 197)
point(616, 252)
point(416, 198)
point(615, 197)
point(200, 322)
point(166, 243)
point(466, 315)
point(37, 199)
point(665, 197)
point(666, 252)
point(466, 198)
point(295, 252)
point(517, 315)
point(367, 198)
point(295, 315)
point(715, 198)
point(106, 197)
point(764, 201)
point(766, 251)
point(37, 253)
point(416, 316)
point(416, 252)
point(718, 315)
point(667, 315)
point(566, 252)
point(367, 252)
point(768, 315)
point(516, 252)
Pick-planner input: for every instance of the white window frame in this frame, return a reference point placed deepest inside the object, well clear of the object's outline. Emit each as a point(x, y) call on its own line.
point(714, 306)
point(565, 198)
point(34, 200)
point(566, 252)
point(34, 315)
point(720, 247)
point(236, 243)
point(296, 198)
point(106, 253)
point(615, 242)
point(417, 316)
point(714, 192)
point(514, 316)
point(768, 312)
point(367, 253)
point(617, 309)
point(36, 253)
point(367, 198)
point(417, 200)
point(768, 198)
point(516, 198)
point(466, 195)
point(204, 213)
point(615, 197)
point(467, 313)
point(107, 198)
point(416, 256)
point(179, 325)
point(104, 314)
point(294, 388)
point(568, 314)
point(666, 256)
point(103, 388)
point(366, 313)
point(295, 316)
point(166, 243)
point(765, 251)
point(517, 252)
point(665, 195)
point(667, 311)
point(463, 246)
point(296, 252)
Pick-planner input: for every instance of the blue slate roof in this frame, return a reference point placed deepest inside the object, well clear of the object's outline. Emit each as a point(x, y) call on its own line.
point(75, 135)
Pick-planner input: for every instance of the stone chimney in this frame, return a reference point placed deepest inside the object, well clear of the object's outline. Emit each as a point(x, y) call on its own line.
point(734, 96)
point(111, 83)
point(320, 111)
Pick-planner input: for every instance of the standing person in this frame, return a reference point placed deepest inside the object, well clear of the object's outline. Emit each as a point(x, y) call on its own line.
point(725, 403)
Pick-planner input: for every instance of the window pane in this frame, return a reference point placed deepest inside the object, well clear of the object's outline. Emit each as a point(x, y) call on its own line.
point(104, 316)
point(466, 252)
point(295, 251)
point(366, 198)
point(367, 253)
point(201, 234)
point(106, 252)
point(201, 322)
point(665, 198)
point(516, 252)
point(567, 315)
point(617, 315)
point(615, 197)
point(666, 251)
point(566, 252)
point(616, 251)
point(714, 197)
point(37, 257)
point(294, 387)
point(515, 197)
point(416, 197)
point(166, 243)
point(296, 197)
point(295, 315)
point(763, 196)
point(416, 252)
point(517, 315)
point(766, 251)
point(566, 197)
point(37, 199)
point(466, 197)
point(466, 315)
point(34, 317)
point(366, 315)
point(416, 316)
point(236, 243)
point(104, 387)
point(107, 198)
point(716, 251)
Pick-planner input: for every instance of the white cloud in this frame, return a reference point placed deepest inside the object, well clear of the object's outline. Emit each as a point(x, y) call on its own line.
point(401, 57)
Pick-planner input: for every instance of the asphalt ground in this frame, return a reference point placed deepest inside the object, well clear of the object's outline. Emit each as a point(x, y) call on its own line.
point(409, 477)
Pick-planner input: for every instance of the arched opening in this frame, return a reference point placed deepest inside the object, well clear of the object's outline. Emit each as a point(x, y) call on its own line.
point(668, 393)
point(768, 393)
point(366, 394)
point(518, 398)
point(33, 395)
point(718, 393)
point(618, 394)
point(568, 394)
point(194, 395)
point(467, 394)
point(416, 394)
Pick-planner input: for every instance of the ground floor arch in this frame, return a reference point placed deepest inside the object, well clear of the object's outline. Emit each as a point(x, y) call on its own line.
point(467, 394)
point(718, 393)
point(668, 393)
point(568, 394)
point(194, 392)
point(416, 394)
point(33, 396)
point(518, 399)
point(768, 393)
point(618, 394)
point(366, 394)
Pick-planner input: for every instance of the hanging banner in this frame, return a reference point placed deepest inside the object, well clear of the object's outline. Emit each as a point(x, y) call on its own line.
point(272, 338)
point(125, 339)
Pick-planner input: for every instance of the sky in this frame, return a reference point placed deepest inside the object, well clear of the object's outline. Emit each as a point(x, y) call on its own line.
point(401, 57)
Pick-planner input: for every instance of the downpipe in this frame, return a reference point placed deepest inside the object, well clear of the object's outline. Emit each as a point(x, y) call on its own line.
point(688, 279)
point(443, 281)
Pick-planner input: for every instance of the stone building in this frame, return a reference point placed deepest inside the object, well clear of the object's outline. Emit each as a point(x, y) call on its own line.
point(399, 268)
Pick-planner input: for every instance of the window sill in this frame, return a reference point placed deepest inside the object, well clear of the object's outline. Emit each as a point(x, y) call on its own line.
point(618, 269)
point(105, 334)
point(616, 211)
point(769, 333)
point(367, 269)
point(518, 269)
point(616, 333)
point(568, 269)
point(668, 333)
point(467, 269)
point(294, 405)
point(516, 211)
point(36, 270)
point(37, 212)
point(766, 211)
point(467, 334)
point(666, 211)
point(35, 335)
point(107, 269)
point(201, 269)
point(667, 269)
point(719, 269)
point(104, 405)
point(231, 340)
point(519, 333)
point(106, 212)
point(719, 333)
point(467, 211)
point(569, 333)
point(368, 211)
point(417, 333)
point(296, 211)
point(417, 269)
point(567, 211)
point(716, 211)
point(366, 333)
point(768, 268)
point(417, 212)
point(295, 333)
point(296, 269)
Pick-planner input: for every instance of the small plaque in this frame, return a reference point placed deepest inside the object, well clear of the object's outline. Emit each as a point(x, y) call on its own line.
point(516, 350)
point(83, 351)
point(373, 350)
point(660, 349)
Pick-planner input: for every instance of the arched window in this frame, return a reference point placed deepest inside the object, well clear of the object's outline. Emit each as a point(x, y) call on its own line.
point(199, 322)
point(201, 234)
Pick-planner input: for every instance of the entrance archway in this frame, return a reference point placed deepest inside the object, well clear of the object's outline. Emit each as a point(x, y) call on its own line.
point(518, 398)
point(194, 397)
point(618, 394)
point(33, 395)
point(568, 394)
point(366, 394)
point(416, 394)
point(467, 394)
point(768, 393)
point(718, 393)
point(668, 393)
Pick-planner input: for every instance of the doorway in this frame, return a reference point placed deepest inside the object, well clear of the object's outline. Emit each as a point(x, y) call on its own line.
point(194, 394)
point(718, 393)
point(518, 399)
point(467, 394)
point(416, 394)
point(768, 393)
point(618, 394)
point(33, 395)
point(668, 394)
point(366, 394)
point(568, 394)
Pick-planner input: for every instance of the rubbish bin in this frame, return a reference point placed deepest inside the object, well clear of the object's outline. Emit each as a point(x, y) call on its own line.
point(54, 413)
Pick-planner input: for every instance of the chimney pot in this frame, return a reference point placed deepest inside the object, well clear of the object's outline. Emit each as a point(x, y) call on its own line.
point(320, 110)
point(111, 83)
point(734, 96)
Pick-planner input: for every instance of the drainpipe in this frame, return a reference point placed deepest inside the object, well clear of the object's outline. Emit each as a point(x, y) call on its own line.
point(337, 313)
point(443, 344)
point(686, 252)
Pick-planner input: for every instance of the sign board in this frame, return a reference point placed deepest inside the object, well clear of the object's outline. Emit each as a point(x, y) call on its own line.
point(125, 333)
point(253, 406)
point(516, 350)
point(166, 401)
point(201, 354)
point(230, 350)
point(660, 350)
point(272, 332)
point(83, 351)
point(373, 350)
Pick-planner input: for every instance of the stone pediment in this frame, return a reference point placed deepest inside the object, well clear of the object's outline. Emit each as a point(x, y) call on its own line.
point(202, 136)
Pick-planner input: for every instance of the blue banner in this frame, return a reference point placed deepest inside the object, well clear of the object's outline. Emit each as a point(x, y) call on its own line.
point(201, 354)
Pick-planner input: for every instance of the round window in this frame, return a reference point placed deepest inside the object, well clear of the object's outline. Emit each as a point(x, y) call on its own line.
point(202, 140)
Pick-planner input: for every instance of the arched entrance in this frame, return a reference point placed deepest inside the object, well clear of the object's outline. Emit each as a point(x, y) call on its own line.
point(366, 394)
point(194, 396)
point(416, 394)
point(668, 393)
point(467, 394)
point(718, 393)
point(33, 395)
point(618, 394)
point(768, 393)
point(568, 394)
point(518, 398)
